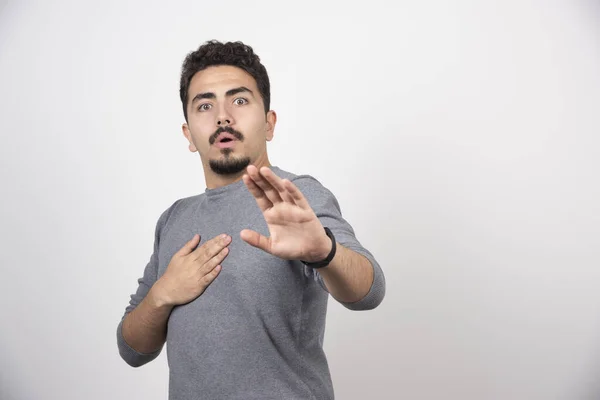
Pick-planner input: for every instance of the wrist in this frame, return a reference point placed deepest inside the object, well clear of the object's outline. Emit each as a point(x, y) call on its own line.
point(157, 296)
point(324, 253)
point(320, 251)
point(325, 249)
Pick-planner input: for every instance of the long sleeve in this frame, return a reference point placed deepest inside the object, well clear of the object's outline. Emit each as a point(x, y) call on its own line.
point(327, 209)
point(130, 355)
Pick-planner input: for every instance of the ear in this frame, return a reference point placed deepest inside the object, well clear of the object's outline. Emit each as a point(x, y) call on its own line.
point(188, 136)
point(271, 121)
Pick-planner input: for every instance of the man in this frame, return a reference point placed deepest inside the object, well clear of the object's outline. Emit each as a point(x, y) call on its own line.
point(243, 313)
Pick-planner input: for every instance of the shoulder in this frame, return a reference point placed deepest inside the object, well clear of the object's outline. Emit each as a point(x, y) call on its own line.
point(317, 194)
point(188, 202)
point(178, 207)
point(302, 181)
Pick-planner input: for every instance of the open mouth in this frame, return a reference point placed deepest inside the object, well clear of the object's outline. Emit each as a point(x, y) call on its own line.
point(226, 143)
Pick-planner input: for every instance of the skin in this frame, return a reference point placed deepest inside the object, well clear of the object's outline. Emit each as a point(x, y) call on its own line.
point(242, 111)
point(228, 97)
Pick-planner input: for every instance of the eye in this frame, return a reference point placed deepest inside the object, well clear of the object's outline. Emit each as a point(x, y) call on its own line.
point(240, 101)
point(204, 107)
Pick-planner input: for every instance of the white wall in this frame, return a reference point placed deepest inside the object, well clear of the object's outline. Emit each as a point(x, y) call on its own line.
point(461, 139)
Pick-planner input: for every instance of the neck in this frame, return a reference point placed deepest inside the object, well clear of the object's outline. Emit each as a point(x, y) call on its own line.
point(214, 181)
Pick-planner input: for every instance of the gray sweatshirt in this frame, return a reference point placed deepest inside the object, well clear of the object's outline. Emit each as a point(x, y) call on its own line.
point(257, 330)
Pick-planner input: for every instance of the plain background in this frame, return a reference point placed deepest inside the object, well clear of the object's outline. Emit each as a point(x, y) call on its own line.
point(460, 137)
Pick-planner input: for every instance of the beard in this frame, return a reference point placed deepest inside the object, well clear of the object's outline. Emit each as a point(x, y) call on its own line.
point(229, 165)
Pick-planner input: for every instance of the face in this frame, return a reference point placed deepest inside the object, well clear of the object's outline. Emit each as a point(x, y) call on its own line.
point(227, 124)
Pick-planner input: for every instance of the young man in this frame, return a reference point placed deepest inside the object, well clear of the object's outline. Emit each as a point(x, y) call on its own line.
point(243, 313)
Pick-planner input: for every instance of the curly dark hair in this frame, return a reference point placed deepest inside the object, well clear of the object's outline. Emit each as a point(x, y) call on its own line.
point(213, 53)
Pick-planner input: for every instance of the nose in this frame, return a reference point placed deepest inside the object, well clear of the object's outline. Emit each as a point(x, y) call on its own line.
point(224, 117)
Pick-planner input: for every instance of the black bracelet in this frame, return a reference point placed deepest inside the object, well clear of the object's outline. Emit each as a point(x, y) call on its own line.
point(326, 261)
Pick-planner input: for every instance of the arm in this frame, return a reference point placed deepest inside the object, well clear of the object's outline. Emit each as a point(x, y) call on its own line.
point(142, 332)
point(134, 349)
point(145, 328)
point(354, 277)
point(349, 276)
point(188, 274)
point(296, 222)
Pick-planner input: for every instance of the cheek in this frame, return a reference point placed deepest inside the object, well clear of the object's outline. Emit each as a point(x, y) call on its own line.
point(201, 132)
point(254, 126)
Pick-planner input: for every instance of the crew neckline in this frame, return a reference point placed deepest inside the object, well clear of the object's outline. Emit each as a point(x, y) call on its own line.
point(233, 186)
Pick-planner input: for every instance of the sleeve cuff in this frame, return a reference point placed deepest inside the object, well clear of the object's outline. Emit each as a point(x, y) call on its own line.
point(131, 356)
point(377, 291)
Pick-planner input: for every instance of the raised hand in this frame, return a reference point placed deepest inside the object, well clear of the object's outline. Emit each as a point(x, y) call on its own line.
point(295, 231)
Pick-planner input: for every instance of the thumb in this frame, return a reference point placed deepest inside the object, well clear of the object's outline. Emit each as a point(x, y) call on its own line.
point(255, 239)
point(189, 246)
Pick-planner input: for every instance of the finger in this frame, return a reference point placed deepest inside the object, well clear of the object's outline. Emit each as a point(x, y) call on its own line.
point(259, 195)
point(211, 263)
point(212, 247)
point(271, 193)
point(189, 246)
point(255, 239)
point(207, 279)
point(278, 184)
point(297, 195)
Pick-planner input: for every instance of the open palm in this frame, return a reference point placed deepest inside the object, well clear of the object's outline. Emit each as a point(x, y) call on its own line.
point(295, 231)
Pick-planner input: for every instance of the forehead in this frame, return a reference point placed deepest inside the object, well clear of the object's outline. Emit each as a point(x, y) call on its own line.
point(219, 79)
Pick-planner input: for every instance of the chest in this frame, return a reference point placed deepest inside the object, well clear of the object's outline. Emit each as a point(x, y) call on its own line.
point(248, 271)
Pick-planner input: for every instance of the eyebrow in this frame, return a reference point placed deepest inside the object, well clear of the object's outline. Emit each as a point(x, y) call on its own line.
point(230, 92)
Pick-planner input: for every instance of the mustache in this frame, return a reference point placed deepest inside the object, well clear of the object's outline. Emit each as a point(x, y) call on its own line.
point(238, 135)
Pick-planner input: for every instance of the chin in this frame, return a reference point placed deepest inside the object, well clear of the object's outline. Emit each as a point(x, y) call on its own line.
point(229, 165)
